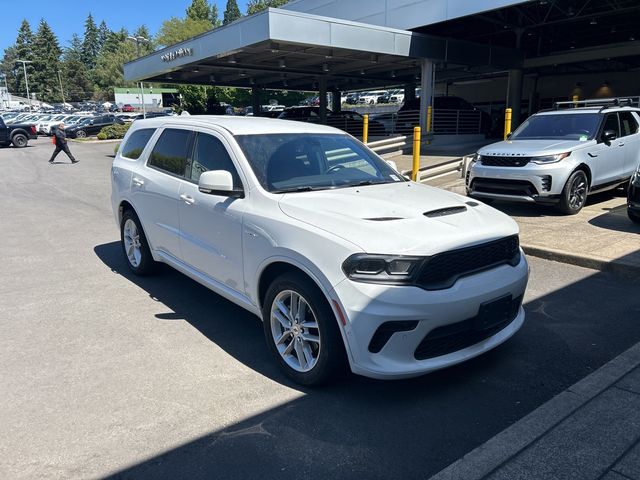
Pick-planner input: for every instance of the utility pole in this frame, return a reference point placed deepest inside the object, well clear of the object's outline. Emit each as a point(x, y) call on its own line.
point(26, 80)
point(61, 90)
point(139, 39)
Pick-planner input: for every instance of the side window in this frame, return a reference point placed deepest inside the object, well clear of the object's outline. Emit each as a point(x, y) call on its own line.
point(210, 154)
point(136, 143)
point(171, 151)
point(611, 123)
point(628, 124)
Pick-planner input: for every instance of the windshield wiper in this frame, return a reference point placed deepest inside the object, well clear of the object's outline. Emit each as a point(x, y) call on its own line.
point(305, 188)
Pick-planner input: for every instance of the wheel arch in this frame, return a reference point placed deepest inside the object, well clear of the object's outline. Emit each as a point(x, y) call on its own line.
point(585, 168)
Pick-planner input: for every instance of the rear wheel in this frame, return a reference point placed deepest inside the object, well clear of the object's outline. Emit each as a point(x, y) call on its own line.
point(135, 246)
point(19, 140)
point(634, 217)
point(574, 193)
point(81, 134)
point(301, 330)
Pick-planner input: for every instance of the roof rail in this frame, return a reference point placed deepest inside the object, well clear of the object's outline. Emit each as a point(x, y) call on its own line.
point(599, 102)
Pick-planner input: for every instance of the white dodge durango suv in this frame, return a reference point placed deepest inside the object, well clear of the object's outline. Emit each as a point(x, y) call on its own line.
point(343, 259)
point(559, 157)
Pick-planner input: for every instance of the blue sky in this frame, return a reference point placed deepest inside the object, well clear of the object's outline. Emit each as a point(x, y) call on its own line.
point(66, 18)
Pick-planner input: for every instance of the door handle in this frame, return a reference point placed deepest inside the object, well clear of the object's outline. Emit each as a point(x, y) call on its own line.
point(187, 199)
point(137, 181)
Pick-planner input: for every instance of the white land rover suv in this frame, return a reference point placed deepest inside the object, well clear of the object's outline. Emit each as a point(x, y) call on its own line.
point(559, 157)
point(342, 258)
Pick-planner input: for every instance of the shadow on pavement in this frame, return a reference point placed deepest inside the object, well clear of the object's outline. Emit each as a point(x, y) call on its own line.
point(362, 428)
point(535, 210)
point(616, 219)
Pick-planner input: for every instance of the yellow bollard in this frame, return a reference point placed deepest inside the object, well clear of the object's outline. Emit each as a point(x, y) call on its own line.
point(365, 128)
point(429, 116)
point(575, 99)
point(507, 122)
point(415, 171)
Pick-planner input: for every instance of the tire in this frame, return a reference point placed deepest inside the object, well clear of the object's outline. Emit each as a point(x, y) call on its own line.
point(135, 247)
point(574, 193)
point(19, 140)
point(634, 217)
point(81, 134)
point(324, 356)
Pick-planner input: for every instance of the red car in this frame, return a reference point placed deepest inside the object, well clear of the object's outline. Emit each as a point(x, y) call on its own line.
point(128, 108)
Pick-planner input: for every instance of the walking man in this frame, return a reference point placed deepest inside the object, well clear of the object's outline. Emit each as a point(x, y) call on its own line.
point(61, 144)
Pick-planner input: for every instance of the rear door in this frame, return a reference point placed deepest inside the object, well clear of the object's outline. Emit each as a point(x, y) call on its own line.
point(155, 189)
point(3, 132)
point(630, 132)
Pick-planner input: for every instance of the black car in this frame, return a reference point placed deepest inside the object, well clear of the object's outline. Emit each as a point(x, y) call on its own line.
point(17, 133)
point(633, 197)
point(92, 126)
point(352, 123)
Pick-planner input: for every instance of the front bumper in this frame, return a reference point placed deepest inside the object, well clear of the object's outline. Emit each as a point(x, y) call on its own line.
point(532, 183)
point(368, 306)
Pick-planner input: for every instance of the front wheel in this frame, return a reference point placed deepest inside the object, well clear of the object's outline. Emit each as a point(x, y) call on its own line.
point(301, 330)
point(574, 193)
point(135, 246)
point(19, 140)
point(81, 134)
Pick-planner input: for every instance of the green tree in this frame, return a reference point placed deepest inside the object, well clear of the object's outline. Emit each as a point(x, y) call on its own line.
point(46, 63)
point(23, 51)
point(109, 70)
point(255, 6)
point(232, 12)
point(176, 30)
point(91, 44)
point(8, 67)
point(214, 16)
point(199, 10)
point(114, 39)
point(103, 35)
point(76, 80)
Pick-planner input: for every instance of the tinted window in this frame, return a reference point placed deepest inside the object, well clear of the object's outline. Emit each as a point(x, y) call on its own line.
point(570, 126)
point(628, 124)
point(171, 151)
point(611, 123)
point(136, 143)
point(211, 154)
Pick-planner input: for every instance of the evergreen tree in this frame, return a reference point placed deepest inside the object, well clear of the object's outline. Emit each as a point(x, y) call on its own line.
point(114, 39)
point(23, 51)
point(146, 47)
point(103, 34)
point(176, 30)
point(198, 10)
point(232, 12)
point(46, 62)
point(9, 68)
point(91, 44)
point(255, 6)
point(214, 16)
point(78, 85)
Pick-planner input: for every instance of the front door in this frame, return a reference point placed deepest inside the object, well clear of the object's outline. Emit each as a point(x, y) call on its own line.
point(608, 158)
point(211, 225)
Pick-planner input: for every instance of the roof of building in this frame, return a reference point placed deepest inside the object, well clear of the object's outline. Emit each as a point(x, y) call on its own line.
point(147, 90)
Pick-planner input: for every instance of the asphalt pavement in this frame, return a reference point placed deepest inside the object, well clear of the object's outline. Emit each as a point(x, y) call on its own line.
point(109, 375)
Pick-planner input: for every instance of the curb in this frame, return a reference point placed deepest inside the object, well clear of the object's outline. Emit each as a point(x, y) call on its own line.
point(85, 142)
point(506, 445)
point(617, 267)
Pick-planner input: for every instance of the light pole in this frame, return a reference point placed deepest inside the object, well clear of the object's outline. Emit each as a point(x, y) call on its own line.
point(26, 80)
point(64, 104)
point(6, 87)
point(139, 39)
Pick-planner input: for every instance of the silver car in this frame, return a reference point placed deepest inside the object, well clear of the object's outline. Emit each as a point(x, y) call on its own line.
point(559, 157)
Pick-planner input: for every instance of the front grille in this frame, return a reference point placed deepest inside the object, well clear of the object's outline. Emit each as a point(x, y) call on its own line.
point(491, 318)
point(504, 187)
point(443, 270)
point(384, 332)
point(498, 161)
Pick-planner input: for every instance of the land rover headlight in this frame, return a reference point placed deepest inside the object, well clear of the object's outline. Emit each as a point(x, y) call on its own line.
point(550, 158)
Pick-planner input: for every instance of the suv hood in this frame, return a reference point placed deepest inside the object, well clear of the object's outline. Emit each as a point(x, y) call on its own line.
point(391, 218)
point(531, 148)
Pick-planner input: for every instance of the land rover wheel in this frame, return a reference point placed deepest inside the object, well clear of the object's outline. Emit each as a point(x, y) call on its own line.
point(574, 193)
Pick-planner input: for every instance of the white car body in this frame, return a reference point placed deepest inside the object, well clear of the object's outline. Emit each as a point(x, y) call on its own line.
point(369, 98)
point(228, 244)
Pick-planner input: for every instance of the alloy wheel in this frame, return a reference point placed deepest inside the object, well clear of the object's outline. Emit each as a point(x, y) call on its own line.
point(132, 245)
point(295, 330)
point(578, 192)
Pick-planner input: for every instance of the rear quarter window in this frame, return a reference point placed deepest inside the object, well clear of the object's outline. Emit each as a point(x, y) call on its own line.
point(136, 143)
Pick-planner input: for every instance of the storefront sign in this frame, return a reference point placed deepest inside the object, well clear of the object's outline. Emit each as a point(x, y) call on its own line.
point(181, 52)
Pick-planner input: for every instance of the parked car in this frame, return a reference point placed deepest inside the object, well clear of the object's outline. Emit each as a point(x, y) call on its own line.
point(352, 123)
point(344, 260)
point(92, 126)
point(126, 108)
point(17, 134)
point(301, 114)
point(445, 106)
point(633, 196)
point(559, 157)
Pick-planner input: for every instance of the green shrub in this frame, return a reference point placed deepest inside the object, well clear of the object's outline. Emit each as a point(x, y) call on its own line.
point(102, 136)
point(114, 131)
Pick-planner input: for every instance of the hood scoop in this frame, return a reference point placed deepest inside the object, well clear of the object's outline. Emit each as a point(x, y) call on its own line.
point(443, 212)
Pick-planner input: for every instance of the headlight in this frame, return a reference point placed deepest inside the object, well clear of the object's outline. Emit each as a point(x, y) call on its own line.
point(388, 269)
point(550, 158)
point(476, 158)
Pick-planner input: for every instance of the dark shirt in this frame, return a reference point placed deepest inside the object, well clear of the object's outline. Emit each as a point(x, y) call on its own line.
point(61, 136)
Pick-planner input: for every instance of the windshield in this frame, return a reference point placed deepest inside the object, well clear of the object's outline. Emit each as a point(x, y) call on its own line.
point(570, 126)
point(300, 162)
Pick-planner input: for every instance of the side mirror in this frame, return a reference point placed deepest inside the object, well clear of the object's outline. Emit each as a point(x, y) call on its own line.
point(609, 136)
point(219, 182)
point(392, 164)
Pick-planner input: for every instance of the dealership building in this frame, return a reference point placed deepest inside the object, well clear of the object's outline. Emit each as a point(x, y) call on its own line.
point(494, 53)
